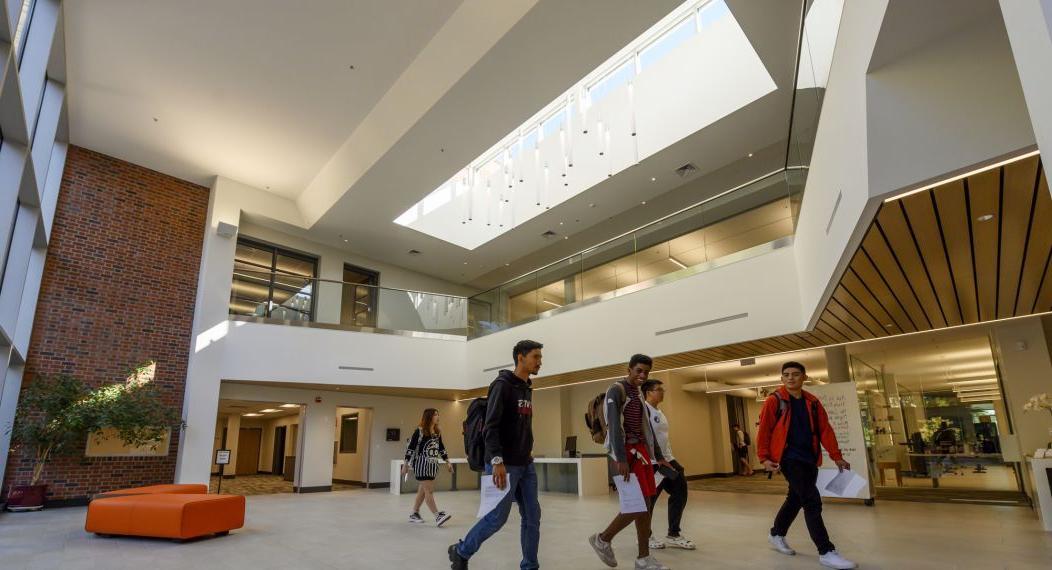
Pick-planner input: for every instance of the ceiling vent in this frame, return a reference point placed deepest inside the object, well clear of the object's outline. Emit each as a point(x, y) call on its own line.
point(414, 252)
point(549, 235)
point(686, 170)
point(747, 361)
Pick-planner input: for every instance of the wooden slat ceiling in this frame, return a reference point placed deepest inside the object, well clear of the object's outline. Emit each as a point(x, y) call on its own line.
point(964, 252)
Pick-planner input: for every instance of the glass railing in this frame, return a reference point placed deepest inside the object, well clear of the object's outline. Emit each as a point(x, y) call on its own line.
point(291, 299)
point(748, 220)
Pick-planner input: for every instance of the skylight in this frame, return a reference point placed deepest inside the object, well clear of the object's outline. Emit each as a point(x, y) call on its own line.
point(689, 70)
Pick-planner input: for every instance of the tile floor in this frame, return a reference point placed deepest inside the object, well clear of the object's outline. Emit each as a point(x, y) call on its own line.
point(366, 529)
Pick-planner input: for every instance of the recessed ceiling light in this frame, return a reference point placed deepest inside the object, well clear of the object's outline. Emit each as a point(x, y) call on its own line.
point(269, 411)
point(251, 415)
point(560, 223)
point(465, 263)
point(346, 240)
point(290, 405)
point(644, 202)
point(889, 325)
point(653, 179)
point(591, 205)
point(750, 155)
point(985, 218)
point(507, 265)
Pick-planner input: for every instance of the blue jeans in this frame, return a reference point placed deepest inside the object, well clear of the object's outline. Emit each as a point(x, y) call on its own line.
point(523, 482)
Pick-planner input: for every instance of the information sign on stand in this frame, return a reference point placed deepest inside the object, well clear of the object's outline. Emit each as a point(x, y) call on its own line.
point(840, 400)
point(222, 458)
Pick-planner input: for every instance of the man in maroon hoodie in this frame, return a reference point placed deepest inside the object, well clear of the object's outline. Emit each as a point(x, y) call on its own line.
point(793, 429)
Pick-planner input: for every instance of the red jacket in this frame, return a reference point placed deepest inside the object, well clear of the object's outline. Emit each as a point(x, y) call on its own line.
point(771, 439)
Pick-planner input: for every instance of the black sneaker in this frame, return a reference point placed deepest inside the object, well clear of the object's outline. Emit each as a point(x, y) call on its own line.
point(415, 518)
point(441, 518)
point(457, 562)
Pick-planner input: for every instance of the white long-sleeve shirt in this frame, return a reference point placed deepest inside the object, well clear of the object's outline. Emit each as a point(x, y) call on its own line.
point(659, 425)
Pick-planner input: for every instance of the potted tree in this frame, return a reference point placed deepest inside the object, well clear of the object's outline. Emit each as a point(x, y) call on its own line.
point(57, 414)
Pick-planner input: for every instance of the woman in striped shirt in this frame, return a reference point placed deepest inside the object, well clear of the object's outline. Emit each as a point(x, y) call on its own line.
point(422, 456)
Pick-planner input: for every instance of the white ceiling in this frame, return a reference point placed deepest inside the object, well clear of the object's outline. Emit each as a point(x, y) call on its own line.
point(260, 91)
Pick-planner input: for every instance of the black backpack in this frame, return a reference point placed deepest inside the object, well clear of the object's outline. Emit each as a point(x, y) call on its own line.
point(475, 436)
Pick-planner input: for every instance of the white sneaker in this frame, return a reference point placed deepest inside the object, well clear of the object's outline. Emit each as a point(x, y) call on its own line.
point(833, 559)
point(649, 563)
point(778, 543)
point(415, 518)
point(441, 518)
point(656, 543)
point(603, 550)
point(679, 542)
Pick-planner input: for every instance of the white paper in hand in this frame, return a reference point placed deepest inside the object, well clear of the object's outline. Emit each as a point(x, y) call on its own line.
point(630, 494)
point(836, 483)
point(491, 495)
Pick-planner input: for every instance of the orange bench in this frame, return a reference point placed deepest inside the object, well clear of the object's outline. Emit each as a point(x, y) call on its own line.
point(175, 516)
point(182, 489)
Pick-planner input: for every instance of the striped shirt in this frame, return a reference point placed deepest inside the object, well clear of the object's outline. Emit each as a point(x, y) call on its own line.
point(423, 452)
point(633, 416)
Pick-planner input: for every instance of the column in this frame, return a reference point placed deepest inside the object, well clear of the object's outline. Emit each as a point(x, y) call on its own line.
point(1029, 26)
point(314, 460)
point(1025, 366)
point(837, 367)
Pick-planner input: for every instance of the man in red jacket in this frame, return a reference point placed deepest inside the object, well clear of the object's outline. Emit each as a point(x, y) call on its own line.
point(793, 429)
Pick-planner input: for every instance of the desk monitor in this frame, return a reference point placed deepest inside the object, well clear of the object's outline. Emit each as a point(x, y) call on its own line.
point(571, 446)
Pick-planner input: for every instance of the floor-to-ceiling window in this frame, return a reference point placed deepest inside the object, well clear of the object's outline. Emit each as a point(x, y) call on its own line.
point(934, 415)
point(272, 282)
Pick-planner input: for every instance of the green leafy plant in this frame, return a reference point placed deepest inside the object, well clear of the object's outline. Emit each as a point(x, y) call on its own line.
point(57, 414)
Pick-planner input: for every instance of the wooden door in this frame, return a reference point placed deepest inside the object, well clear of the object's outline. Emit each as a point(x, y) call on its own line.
point(248, 440)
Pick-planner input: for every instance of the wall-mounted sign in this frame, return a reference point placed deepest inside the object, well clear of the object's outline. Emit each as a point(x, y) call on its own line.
point(222, 457)
point(394, 434)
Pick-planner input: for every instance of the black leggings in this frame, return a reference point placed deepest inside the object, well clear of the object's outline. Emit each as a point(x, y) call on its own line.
point(677, 499)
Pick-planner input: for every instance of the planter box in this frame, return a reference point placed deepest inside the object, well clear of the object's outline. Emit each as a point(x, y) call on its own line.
point(26, 498)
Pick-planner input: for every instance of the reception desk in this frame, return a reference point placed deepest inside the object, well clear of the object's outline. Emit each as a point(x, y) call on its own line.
point(1041, 478)
point(582, 476)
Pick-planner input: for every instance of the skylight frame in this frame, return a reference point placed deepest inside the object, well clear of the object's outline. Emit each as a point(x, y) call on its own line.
point(575, 100)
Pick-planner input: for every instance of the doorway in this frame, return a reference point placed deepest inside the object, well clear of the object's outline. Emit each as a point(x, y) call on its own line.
point(277, 466)
point(360, 296)
point(248, 441)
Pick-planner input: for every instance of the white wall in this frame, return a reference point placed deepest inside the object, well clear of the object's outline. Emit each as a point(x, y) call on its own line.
point(836, 196)
point(1029, 26)
point(943, 108)
point(765, 287)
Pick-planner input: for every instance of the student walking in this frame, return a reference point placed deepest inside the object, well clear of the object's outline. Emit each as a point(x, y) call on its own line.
point(508, 434)
point(422, 456)
point(741, 444)
point(793, 429)
point(673, 482)
point(631, 444)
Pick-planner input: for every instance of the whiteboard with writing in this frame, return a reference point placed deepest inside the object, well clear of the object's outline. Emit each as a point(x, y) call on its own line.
point(840, 400)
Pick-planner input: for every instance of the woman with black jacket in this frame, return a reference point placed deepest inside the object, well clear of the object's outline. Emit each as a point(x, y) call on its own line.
point(422, 456)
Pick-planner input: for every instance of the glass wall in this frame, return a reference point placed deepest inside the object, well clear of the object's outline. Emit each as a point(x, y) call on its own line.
point(732, 224)
point(934, 415)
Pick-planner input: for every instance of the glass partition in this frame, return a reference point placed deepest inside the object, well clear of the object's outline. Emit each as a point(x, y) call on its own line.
point(283, 298)
point(735, 223)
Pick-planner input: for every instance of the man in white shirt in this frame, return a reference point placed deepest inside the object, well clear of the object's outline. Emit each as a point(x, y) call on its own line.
point(674, 482)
